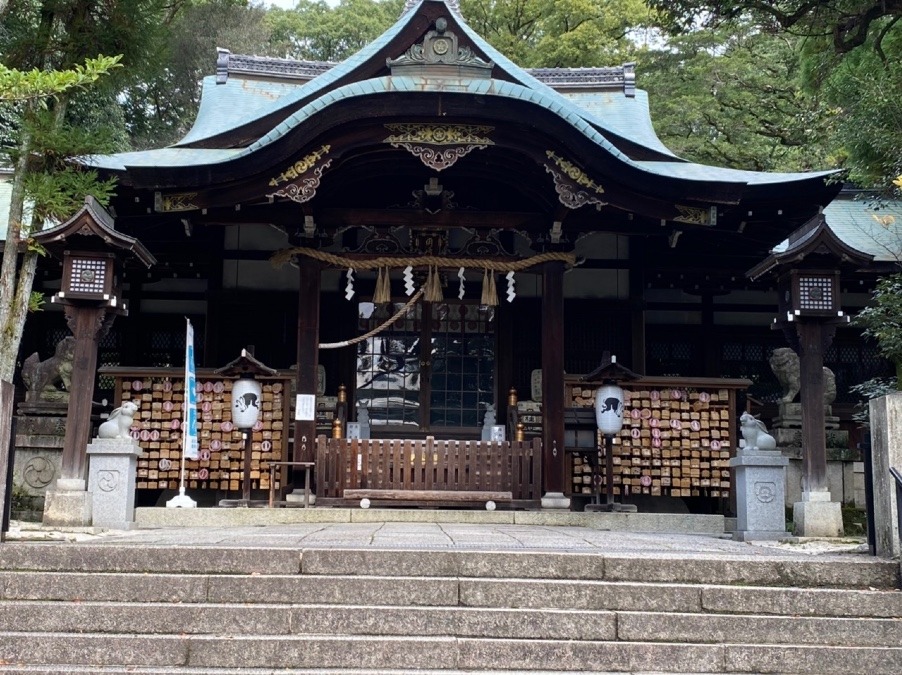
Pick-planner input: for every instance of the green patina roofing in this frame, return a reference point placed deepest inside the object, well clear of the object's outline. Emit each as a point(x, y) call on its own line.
point(626, 116)
point(869, 226)
point(241, 101)
point(232, 103)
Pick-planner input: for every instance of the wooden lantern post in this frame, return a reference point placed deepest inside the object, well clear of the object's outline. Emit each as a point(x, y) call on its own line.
point(91, 249)
point(808, 273)
point(609, 405)
point(245, 404)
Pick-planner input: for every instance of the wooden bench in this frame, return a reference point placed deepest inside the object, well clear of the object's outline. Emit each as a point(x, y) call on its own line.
point(429, 497)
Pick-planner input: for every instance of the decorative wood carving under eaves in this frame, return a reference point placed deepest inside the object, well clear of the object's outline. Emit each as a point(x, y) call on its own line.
point(439, 146)
point(184, 201)
point(301, 180)
point(693, 215)
point(574, 188)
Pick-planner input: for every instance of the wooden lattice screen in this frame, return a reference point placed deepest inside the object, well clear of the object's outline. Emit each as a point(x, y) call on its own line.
point(429, 464)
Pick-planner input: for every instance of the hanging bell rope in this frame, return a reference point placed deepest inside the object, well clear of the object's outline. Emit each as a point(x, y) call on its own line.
point(499, 266)
point(489, 290)
point(378, 329)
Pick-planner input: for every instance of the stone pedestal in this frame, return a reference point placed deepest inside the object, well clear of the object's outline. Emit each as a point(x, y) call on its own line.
point(555, 500)
point(112, 472)
point(38, 451)
point(817, 516)
point(68, 504)
point(760, 480)
point(886, 451)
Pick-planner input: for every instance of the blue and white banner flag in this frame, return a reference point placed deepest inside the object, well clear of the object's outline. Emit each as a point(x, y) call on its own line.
point(189, 418)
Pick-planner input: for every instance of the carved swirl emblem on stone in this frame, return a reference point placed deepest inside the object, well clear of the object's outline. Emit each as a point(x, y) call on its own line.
point(765, 492)
point(38, 472)
point(107, 480)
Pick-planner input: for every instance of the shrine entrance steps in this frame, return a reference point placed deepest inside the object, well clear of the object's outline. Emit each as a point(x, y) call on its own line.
point(135, 608)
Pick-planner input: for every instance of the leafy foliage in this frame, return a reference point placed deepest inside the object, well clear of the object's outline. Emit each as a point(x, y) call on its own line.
point(321, 31)
point(847, 23)
point(882, 321)
point(559, 33)
point(17, 85)
point(732, 96)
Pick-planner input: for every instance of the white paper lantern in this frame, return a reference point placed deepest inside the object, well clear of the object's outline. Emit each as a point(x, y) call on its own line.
point(246, 399)
point(609, 409)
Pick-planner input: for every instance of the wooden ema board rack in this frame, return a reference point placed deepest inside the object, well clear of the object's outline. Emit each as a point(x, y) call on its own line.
point(677, 439)
point(157, 428)
point(675, 442)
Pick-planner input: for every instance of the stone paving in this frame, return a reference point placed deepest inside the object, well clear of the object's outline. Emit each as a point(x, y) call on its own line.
point(441, 536)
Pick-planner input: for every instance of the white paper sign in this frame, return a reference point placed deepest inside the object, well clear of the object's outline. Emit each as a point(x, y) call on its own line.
point(352, 430)
point(498, 433)
point(305, 408)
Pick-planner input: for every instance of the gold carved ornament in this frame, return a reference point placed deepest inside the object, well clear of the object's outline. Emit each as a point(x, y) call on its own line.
point(439, 146)
point(300, 167)
point(692, 215)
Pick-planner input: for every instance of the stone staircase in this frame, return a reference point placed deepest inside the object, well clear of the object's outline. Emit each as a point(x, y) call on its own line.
point(108, 608)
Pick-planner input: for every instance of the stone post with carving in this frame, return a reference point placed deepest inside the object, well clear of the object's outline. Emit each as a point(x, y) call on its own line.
point(113, 468)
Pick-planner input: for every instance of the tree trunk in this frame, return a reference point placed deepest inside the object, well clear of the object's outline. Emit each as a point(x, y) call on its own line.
point(10, 280)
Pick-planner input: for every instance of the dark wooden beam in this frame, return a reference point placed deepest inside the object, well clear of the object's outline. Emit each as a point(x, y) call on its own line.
point(552, 327)
point(307, 353)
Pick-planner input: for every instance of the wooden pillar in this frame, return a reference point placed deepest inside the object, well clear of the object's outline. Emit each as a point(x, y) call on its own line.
point(307, 353)
point(811, 374)
point(710, 343)
point(553, 377)
point(637, 304)
point(88, 325)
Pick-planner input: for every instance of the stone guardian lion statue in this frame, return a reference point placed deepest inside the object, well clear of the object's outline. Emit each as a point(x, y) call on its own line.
point(43, 377)
point(785, 364)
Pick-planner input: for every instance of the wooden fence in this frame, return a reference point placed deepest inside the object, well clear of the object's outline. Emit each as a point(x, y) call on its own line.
point(429, 464)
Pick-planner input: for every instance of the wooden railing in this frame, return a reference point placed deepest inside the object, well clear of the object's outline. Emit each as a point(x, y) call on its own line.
point(429, 464)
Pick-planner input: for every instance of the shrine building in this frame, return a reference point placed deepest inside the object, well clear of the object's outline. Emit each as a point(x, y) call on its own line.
point(426, 233)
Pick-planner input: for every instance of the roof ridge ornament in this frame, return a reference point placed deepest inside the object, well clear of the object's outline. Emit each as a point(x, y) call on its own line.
point(453, 5)
point(439, 50)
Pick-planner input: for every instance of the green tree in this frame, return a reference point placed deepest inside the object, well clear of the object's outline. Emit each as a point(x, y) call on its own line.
point(882, 321)
point(560, 33)
point(847, 23)
point(733, 96)
point(319, 31)
point(45, 36)
point(162, 101)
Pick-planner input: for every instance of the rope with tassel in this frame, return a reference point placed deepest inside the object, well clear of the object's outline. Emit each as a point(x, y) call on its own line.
point(281, 257)
point(378, 329)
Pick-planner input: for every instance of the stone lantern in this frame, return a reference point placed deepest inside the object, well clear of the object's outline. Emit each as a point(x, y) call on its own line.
point(92, 251)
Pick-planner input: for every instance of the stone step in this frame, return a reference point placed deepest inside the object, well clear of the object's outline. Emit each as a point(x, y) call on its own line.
point(448, 592)
point(285, 620)
point(763, 570)
point(64, 650)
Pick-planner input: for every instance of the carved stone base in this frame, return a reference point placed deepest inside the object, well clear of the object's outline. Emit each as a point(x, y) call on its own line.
point(38, 452)
point(760, 487)
point(555, 500)
point(68, 504)
point(817, 516)
point(112, 471)
point(789, 416)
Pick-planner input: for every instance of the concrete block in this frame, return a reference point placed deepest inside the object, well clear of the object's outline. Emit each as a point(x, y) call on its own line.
point(112, 472)
point(138, 558)
point(817, 518)
point(579, 595)
point(711, 628)
point(760, 479)
point(802, 602)
point(343, 590)
point(886, 452)
point(115, 587)
point(454, 621)
point(365, 653)
point(812, 660)
point(96, 650)
point(68, 504)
